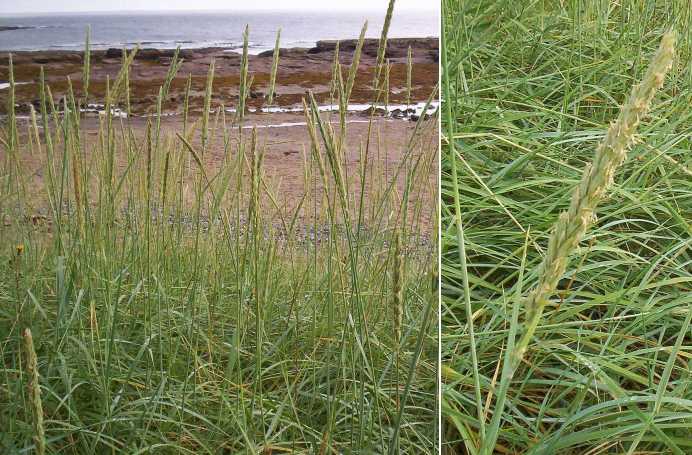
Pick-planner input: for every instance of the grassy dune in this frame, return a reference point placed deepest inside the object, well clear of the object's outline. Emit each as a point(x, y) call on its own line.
point(177, 310)
point(530, 89)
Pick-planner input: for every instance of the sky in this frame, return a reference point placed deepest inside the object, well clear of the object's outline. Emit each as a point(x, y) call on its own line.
point(69, 6)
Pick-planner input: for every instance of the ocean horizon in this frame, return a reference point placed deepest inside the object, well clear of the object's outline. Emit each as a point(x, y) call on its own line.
point(200, 29)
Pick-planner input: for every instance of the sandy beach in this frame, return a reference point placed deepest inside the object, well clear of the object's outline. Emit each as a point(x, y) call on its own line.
point(281, 127)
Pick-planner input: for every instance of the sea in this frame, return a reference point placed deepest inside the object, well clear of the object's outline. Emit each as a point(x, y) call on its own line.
point(204, 29)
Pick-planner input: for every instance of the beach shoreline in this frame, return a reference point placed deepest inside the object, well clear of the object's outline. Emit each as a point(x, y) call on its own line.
point(301, 70)
point(281, 126)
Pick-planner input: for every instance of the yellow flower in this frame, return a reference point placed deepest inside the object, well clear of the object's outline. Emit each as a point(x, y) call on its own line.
point(20, 249)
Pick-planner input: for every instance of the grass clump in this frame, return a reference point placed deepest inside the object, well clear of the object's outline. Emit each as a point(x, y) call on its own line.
point(568, 337)
point(178, 307)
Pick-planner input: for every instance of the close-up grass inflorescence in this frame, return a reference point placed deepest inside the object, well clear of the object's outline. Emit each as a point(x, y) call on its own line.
point(566, 208)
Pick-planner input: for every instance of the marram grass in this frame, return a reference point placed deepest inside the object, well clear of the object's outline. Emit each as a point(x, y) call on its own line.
point(178, 307)
point(572, 337)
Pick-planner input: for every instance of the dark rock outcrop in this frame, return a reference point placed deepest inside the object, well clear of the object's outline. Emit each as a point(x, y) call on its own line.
point(61, 57)
point(285, 52)
point(154, 55)
point(396, 47)
point(7, 28)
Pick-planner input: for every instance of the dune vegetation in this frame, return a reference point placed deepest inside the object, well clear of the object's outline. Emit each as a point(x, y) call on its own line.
point(150, 303)
point(566, 227)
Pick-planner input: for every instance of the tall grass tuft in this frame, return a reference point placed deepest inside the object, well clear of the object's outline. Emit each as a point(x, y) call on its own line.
point(192, 303)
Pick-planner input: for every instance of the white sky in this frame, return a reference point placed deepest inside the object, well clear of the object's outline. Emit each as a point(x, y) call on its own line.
point(45, 6)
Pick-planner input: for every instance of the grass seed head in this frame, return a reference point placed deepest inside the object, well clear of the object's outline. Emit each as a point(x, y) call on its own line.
point(34, 392)
point(598, 177)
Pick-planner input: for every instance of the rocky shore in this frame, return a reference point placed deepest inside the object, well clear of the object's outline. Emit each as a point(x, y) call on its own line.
point(300, 70)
